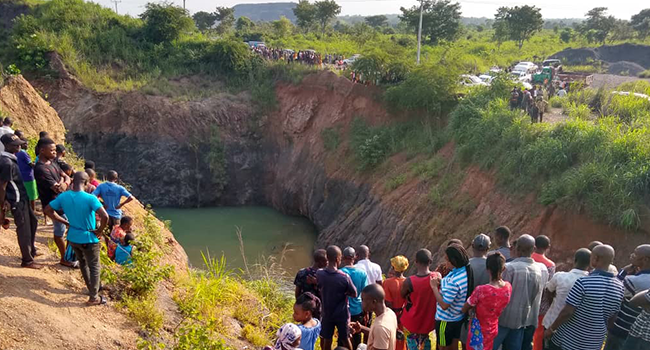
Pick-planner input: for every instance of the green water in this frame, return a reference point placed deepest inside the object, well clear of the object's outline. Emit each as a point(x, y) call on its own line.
point(265, 233)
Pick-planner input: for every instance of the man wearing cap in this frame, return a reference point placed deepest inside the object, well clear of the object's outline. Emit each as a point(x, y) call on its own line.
point(5, 129)
point(13, 192)
point(394, 299)
point(360, 280)
point(480, 247)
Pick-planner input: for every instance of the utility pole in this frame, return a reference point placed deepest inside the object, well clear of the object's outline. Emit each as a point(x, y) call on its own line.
point(183, 4)
point(419, 31)
point(116, 2)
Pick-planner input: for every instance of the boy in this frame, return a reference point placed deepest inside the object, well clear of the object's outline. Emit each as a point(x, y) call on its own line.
point(111, 194)
point(124, 251)
point(118, 234)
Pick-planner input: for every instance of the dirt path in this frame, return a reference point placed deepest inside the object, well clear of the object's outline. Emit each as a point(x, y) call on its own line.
point(44, 309)
point(554, 116)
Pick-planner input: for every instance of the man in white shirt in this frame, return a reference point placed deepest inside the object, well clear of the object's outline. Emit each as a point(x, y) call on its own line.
point(562, 282)
point(372, 270)
point(5, 129)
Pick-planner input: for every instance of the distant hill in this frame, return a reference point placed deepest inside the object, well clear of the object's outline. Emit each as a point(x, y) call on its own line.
point(266, 12)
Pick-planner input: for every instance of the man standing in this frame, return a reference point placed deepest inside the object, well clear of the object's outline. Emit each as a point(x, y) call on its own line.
point(502, 240)
point(592, 302)
point(51, 181)
point(519, 319)
point(382, 335)
point(6, 129)
point(335, 288)
point(639, 338)
point(80, 208)
point(111, 194)
point(305, 280)
point(372, 270)
point(562, 282)
point(480, 247)
point(13, 192)
point(420, 311)
point(542, 245)
point(360, 281)
point(633, 283)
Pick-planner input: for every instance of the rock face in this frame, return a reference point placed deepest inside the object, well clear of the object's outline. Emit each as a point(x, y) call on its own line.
point(161, 147)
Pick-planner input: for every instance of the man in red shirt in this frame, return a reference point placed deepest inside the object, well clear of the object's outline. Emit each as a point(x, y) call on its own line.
point(542, 245)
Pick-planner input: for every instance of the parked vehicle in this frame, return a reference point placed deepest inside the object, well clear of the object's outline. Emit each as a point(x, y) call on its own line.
point(570, 77)
point(521, 76)
point(528, 67)
point(552, 62)
point(471, 80)
point(546, 75)
point(256, 44)
point(351, 60)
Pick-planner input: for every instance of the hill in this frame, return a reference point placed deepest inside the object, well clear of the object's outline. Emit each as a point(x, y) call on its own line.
point(266, 12)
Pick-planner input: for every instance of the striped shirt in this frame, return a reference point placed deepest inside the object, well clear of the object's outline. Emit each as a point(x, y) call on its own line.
point(454, 292)
point(596, 299)
point(633, 284)
point(641, 327)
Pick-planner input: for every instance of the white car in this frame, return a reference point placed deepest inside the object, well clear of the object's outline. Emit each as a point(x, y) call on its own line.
point(527, 66)
point(351, 60)
point(486, 78)
point(471, 80)
point(521, 76)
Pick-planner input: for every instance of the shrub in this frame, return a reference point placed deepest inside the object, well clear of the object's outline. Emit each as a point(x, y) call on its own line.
point(164, 22)
point(331, 139)
point(396, 181)
point(143, 310)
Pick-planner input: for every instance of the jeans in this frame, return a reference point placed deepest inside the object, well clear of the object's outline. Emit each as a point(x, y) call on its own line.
point(26, 224)
point(515, 339)
point(89, 264)
point(634, 343)
point(614, 342)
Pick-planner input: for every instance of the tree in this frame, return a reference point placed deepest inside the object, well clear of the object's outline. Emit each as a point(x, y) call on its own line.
point(377, 21)
point(204, 20)
point(621, 30)
point(566, 35)
point(325, 12)
point(500, 25)
point(440, 20)
point(282, 27)
point(598, 25)
point(641, 23)
point(305, 14)
point(164, 22)
point(226, 18)
point(244, 24)
point(519, 23)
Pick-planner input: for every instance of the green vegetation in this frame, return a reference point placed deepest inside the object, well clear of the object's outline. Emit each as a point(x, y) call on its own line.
point(331, 138)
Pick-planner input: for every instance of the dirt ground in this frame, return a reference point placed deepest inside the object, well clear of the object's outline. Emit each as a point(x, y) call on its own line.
point(611, 80)
point(45, 309)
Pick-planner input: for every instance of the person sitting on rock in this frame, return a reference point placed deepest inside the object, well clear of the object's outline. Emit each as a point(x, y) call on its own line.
point(118, 234)
point(124, 251)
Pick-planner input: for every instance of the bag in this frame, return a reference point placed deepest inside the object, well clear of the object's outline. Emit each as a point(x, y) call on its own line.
point(476, 336)
point(69, 255)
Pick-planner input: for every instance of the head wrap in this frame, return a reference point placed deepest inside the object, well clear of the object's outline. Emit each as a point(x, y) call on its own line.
point(287, 336)
point(400, 263)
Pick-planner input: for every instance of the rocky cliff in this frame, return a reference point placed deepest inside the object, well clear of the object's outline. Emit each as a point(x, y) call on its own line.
point(279, 159)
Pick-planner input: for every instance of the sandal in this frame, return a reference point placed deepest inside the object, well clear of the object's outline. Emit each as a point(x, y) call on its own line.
point(100, 301)
point(67, 264)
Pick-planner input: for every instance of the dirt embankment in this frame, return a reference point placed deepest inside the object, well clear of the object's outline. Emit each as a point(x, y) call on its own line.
point(623, 59)
point(279, 160)
point(45, 309)
point(30, 113)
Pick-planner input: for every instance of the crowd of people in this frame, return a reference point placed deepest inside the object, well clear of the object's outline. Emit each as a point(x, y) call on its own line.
point(309, 57)
point(510, 298)
point(533, 101)
point(71, 199)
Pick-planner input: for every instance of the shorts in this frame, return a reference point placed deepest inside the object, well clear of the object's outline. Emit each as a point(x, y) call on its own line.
point(327, 329)
point(448, 331)
point(59, 228)
point(32, 192)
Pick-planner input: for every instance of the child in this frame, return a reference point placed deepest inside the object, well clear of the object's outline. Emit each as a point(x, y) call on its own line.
point(124, 251)
point(489, 300)
point(92, 176)
point(118, 234)
point(306, 306)
point(67, 169)
point(288, 338)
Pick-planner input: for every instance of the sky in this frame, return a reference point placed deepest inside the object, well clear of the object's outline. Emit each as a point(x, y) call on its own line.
point(470, 8)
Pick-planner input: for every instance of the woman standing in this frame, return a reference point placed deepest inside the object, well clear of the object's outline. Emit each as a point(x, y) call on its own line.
point(394, 300)
point(488, 300)
point(451, 297)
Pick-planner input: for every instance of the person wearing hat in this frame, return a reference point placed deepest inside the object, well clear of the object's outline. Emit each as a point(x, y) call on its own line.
point(360, 280)
point(394, 299)
point(480, 246)
point(12, 191)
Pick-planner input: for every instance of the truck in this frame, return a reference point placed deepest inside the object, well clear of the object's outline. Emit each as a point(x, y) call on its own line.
point(576, 77)
point(544, 76)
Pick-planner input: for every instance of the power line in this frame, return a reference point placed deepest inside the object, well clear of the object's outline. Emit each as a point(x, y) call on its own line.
point(116, 2)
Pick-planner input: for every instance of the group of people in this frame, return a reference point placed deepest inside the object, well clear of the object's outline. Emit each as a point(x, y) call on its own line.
point(510, 298)
point(532, 101)
point(70, 199)
point(309, 57)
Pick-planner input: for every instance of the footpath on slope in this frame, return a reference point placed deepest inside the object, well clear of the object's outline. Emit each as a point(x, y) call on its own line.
point(45, 309)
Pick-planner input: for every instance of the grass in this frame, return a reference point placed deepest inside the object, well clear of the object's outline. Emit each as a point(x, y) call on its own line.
point(331, 139)
point(143, 310)
point(396, 181)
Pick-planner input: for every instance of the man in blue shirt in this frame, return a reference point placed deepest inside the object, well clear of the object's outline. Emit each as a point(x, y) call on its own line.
point(83, 234)
point(111, 194)
point(360, 280)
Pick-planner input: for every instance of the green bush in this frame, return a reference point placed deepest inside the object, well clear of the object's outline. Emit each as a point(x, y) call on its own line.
point(164, 22)
point(331, 139)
